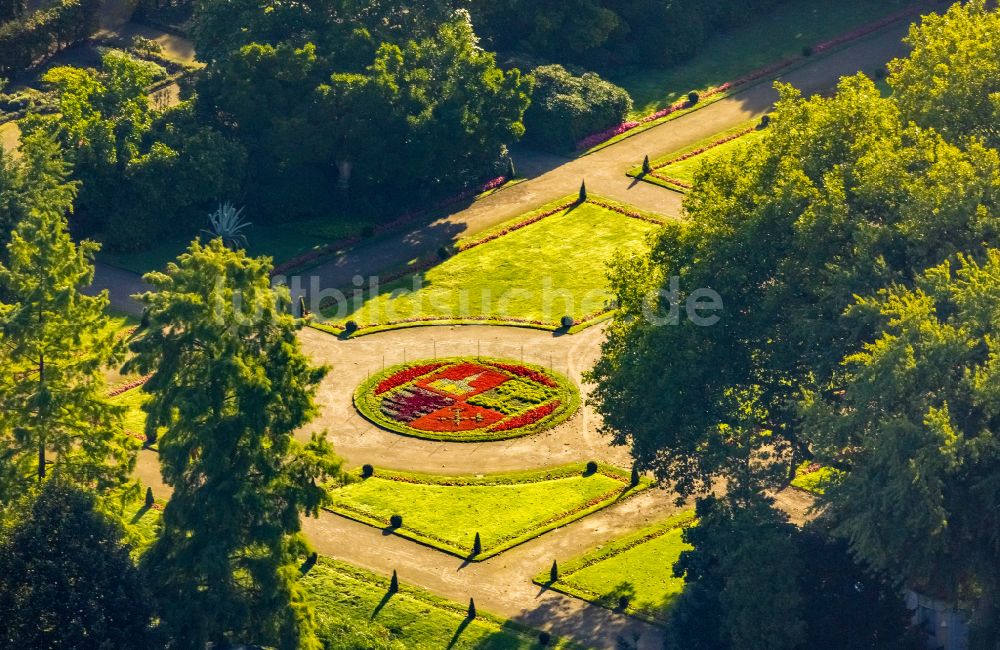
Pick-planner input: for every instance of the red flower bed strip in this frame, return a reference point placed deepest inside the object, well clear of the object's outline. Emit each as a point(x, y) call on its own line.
point(526, 418)
point(528, 373)
point(597, 138)
point(405, 376)
point(698, 152)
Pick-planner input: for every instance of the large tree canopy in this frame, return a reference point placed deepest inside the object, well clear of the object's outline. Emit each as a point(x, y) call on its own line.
point(229, 386)
point(395, 106)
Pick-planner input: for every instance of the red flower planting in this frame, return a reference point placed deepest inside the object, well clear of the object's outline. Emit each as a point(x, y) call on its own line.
point(462, 396)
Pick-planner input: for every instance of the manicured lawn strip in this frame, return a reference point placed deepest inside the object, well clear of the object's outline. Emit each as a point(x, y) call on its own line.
point(354, 609)
point(559, 252)
point(774, 35)
point(369, 404)
point(676, 170)
point(507, 509)
point(638, 566)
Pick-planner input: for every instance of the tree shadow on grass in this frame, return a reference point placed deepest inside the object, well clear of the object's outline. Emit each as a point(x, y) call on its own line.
point(458, 633)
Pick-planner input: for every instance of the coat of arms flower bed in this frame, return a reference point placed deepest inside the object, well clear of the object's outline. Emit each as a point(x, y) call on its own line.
point(467, 399)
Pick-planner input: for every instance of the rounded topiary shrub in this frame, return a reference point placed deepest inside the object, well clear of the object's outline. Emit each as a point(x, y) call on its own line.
point(396, 521)
point(444, 252)
point(544, 638)
point(566, 322)
point(591, 467)
point(367, 471)
point(350, 327)
point(765, 121)
point(623, 602)
point(693, 98)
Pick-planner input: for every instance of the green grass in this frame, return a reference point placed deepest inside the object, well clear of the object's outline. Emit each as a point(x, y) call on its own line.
point(281, 242)
point(532, 276)
point(638, 567)
point(354, 610)
point(813, 479)
point(685, 170)
point(772, 36)
point(507, 509)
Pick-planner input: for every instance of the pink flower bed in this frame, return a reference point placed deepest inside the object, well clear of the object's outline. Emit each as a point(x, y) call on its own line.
point(597, 138)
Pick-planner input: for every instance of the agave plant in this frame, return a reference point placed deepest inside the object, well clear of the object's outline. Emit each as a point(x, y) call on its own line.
point(228, 225)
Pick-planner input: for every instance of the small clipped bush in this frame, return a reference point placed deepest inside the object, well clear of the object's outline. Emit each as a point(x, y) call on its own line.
point(544, 638)
point(367, 471)
point(566, 322)
point(477, 545)
point(765, 121)
point(623, 602)
point(635, 476)
point(554, 572)
point(394, 583)
point(350, 327)
point(472, 609)
point(396, 521)
point(149, 497)
point(591, 467)
point(583, 191)
point(444, 253)
point(807, 51)
point(511, 170)
point(693, 98)
point(646, 168)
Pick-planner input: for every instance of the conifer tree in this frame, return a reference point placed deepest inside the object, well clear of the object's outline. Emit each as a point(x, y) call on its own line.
point(54, 342)
point(229, 386)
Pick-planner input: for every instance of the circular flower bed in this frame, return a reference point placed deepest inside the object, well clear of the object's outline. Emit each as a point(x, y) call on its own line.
point(467, 399)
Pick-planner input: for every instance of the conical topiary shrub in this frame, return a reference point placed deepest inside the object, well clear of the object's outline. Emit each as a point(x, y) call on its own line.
point(477, 545)
point(635, 476)
point(583, 191)
point(149, 497)
point(472, 609)
point(645, 165)
point(511, 171)
point(554, 572)
point(393, 583)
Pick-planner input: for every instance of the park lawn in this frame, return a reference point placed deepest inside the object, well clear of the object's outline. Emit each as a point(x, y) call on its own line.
point(771, 36)
point(506, 509)
point(531, 276)
point(281, 242)
point(135, 417)
point(638, 567)
point(354, 609)
point(685, 170)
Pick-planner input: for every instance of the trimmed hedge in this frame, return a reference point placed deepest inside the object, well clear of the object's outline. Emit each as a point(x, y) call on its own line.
point(42, 34)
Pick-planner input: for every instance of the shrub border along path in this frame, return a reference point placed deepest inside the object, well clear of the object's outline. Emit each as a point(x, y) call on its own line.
point(606, 552)
point(507, 478)
point(654, 177)
point(597, 141)
point(368, 404)
point(464, 245)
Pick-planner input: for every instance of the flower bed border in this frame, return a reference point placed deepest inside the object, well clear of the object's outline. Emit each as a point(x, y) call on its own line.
point(368, 404)
point(505, 478)
point(597, 141)
point(550, 209)
point(606, 552)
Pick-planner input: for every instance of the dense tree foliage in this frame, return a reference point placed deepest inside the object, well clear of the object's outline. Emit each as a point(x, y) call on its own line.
point(229, 385)
point(609, 31)
point(843, 196)
point(67, 581)
point(565, 108)
point(392, 106)
point(925, 391)
point(143, 175)
point(34, 36)
point(54, 342)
